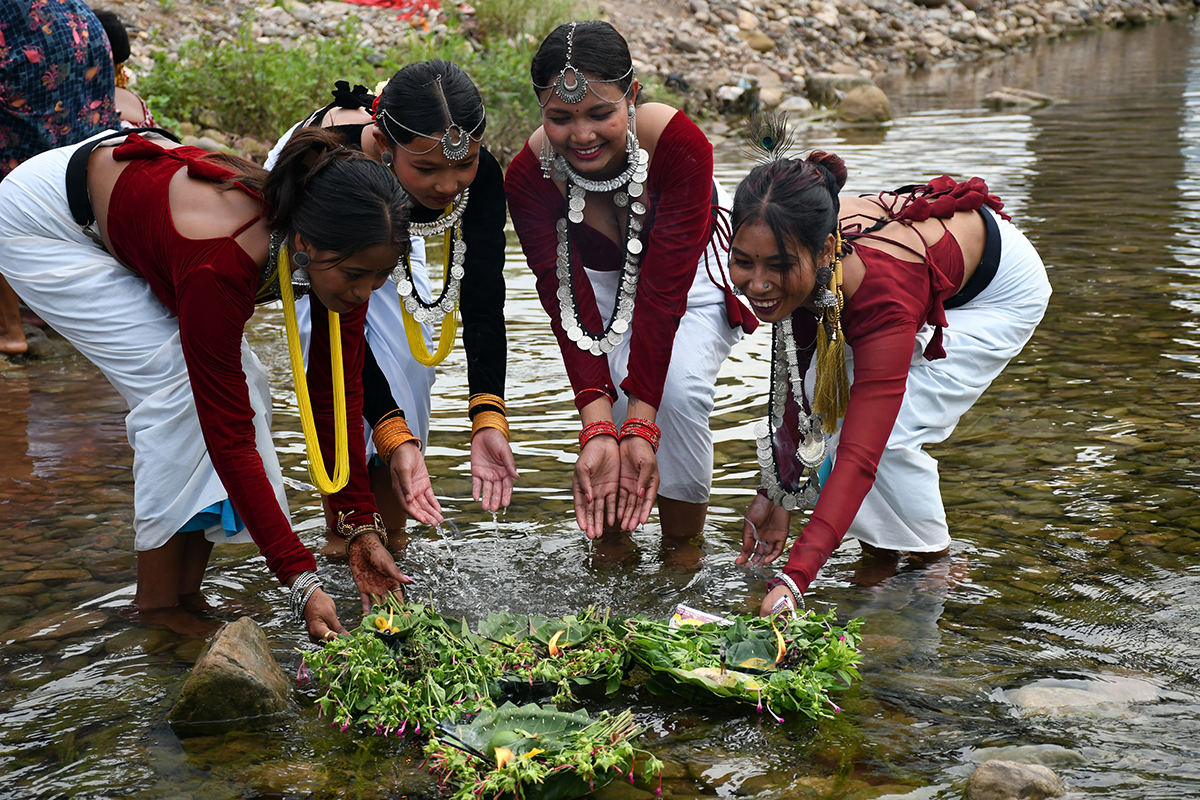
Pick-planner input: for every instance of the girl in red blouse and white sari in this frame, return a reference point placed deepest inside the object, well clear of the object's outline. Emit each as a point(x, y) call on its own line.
point(614, 205)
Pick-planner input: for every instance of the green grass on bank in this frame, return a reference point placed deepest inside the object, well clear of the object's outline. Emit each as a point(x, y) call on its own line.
point(246, 88)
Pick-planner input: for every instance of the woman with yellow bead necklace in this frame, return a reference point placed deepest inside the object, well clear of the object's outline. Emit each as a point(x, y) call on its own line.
point(150, 257)
point(426, 124)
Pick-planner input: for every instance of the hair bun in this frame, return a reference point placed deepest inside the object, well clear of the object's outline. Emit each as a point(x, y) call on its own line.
point(833, 164)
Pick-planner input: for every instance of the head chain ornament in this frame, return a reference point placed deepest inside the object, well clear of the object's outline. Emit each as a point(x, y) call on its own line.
point(573, 89)
point(455, 141)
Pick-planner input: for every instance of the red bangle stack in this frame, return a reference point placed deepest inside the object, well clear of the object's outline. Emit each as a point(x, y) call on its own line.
point(602, 427)
point(644, 428)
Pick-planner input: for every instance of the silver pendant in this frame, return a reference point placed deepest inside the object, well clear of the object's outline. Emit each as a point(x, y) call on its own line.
point(570, 90)
point(584, 342)
point(619, 325)
point(620, 199)
point(575, 216)
point(637, 208)
point(595, 349)
point(635, 246)
point(455, 143)
point(575, 334)
point(635, 189)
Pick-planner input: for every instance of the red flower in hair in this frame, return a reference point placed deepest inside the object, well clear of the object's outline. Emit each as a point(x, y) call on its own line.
point(374, 107)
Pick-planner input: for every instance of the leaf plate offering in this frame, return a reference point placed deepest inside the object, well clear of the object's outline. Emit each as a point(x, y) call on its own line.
point(535, 753)
point(780, 664)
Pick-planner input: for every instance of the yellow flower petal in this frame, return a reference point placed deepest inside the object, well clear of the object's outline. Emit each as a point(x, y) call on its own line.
point(554, 648)
point(503, 756)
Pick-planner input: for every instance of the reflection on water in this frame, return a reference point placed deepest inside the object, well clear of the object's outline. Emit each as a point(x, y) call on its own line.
point(1070, 489)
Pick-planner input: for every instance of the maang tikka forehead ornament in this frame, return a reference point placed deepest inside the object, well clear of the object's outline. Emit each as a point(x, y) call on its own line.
point(455, 142)
point(571, 86)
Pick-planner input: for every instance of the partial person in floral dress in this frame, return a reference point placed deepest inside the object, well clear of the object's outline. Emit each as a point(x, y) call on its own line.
point(56, 88)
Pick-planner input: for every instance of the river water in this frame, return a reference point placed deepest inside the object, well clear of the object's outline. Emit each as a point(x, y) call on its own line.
point(1064, 623)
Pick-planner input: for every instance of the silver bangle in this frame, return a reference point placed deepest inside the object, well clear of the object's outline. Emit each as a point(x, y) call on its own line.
point(790, 584)
point(302, 590)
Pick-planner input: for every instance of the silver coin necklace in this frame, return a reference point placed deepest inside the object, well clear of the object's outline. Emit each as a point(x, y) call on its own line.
point(629, 188)
point(437, 310)
point(812, 447)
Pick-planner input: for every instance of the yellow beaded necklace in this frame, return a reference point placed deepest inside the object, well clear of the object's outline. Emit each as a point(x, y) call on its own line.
point(316, 461)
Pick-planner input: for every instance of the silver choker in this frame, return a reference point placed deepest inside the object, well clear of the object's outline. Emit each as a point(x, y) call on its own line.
point(812, 448)
point(637, 166)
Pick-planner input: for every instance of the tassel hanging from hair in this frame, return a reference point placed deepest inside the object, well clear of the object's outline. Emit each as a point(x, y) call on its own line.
point(831, 396)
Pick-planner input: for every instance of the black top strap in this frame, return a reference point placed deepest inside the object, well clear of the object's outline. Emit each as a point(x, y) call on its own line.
point(77, 192)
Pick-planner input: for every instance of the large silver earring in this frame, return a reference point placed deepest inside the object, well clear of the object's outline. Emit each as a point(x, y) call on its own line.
point(631, 140)
point(386, 158)
point(300, 273)
point(547, 156)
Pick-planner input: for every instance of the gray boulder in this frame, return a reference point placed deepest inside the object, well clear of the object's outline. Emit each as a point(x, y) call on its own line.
point(235, 685)
point(1008, 780)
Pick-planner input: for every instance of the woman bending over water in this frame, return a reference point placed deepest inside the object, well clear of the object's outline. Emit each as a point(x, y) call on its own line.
point(893, 313)
point(187, 243)
point(616, 218)
point(426, 125)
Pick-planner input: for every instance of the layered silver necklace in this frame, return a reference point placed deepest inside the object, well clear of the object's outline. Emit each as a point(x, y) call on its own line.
point(812, 448)
point(631, 185)
point(452, 288)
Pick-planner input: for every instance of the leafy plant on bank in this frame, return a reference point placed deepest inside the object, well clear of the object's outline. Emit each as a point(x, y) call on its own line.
point(248, 88)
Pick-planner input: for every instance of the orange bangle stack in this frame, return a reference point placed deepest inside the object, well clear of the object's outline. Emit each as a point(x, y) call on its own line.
point(390, 433)
point(487, 411)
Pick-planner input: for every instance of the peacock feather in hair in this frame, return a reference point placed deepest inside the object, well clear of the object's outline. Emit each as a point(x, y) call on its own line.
point(768, 137)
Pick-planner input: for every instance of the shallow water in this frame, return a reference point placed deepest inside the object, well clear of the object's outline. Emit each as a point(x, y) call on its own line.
point(1065, 621)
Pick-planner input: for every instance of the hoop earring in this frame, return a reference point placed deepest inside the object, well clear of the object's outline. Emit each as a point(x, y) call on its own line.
point(631, 140)
point(547, 156)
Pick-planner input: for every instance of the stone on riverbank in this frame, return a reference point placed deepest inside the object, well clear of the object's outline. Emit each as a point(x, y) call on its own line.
point(1008, 780)
point(235, 685)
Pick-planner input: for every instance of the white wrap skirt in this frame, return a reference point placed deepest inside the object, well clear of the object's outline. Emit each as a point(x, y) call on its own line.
point(702, 343)
point(110, 315)
point(903, 510)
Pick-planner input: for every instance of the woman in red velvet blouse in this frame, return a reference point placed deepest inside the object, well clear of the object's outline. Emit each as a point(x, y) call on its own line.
point(614, 205)
point(158, 298)
point(913, 301)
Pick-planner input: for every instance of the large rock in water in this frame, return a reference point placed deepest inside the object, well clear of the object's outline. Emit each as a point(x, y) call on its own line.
point(865, 105)
point(1008, 780)
point(235, 685)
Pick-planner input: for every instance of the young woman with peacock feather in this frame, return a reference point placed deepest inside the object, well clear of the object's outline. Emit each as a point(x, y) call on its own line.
point(892, 313)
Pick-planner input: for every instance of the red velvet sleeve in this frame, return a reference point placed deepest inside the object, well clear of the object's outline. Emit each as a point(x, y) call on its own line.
point(355, 498)
point(881, 362)
point(680, 188)
point(213, 310)
point(535, 206)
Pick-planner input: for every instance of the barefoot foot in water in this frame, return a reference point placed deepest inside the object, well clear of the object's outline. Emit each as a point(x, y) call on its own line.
point(177, 620)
